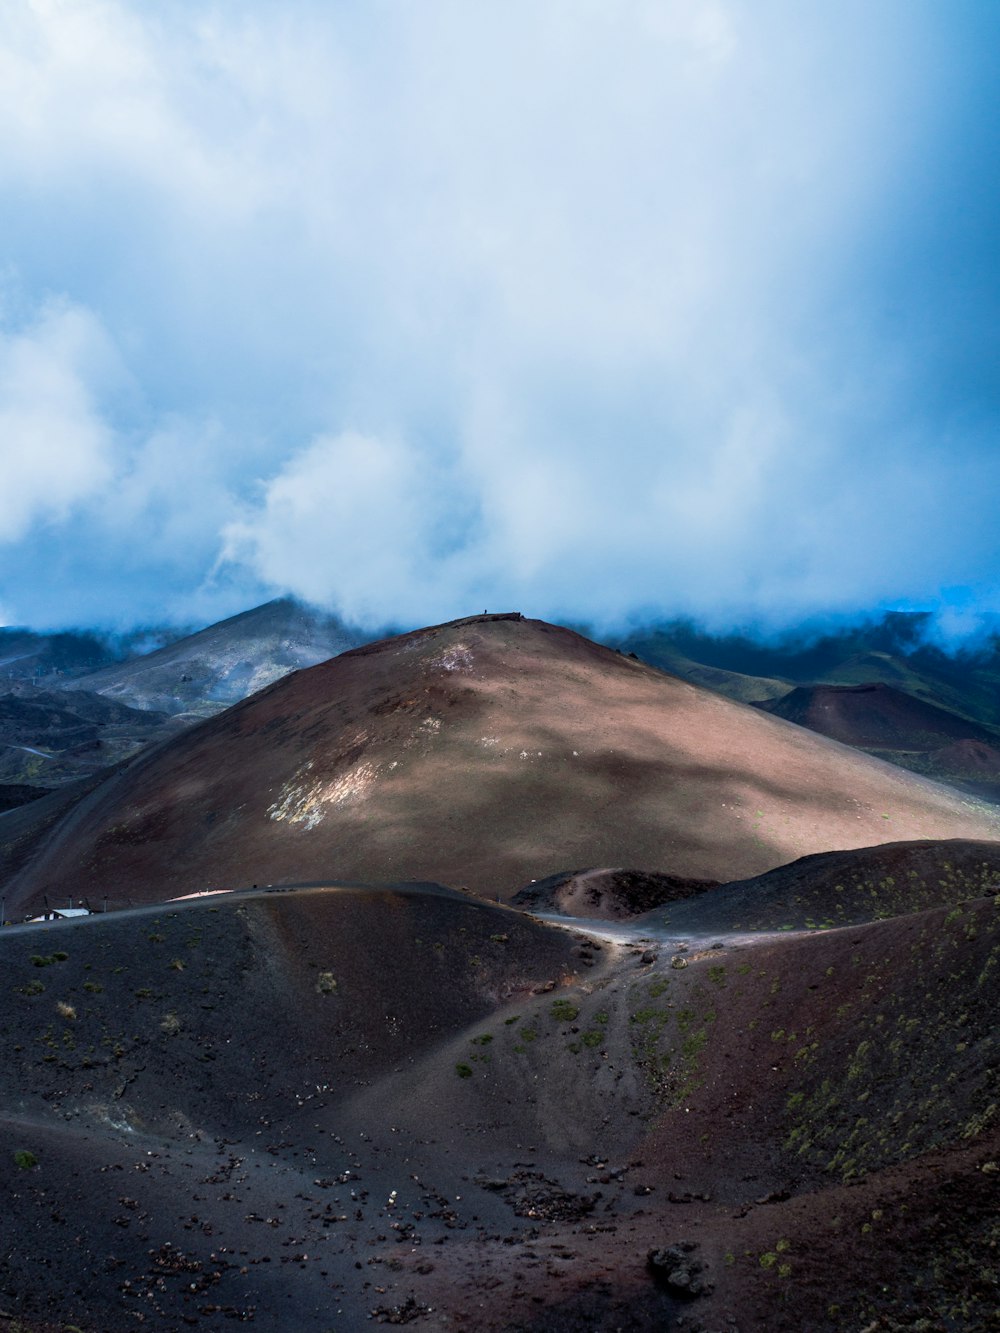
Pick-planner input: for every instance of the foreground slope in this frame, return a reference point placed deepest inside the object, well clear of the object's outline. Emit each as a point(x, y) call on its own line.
point(485, 753)
point(317, 1108)
point(174, 1085)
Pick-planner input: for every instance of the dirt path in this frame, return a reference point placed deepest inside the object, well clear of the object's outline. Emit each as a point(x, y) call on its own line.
point(643, 934)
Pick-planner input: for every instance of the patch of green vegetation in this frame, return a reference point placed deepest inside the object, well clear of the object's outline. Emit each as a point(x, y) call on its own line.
point(326, 984)
point(463, 1070)
point(34, 987)
point(24, 1159)
point(93, 987)
point(717, 974)
point(648, 1015)
point(564, 1011)
point(592, 1038)
point(483, 1040)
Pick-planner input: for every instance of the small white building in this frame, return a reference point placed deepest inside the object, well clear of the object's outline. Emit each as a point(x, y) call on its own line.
point(58, 914)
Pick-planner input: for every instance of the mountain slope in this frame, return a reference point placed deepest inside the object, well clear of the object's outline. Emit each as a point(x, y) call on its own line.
point(485, 752)
point(207, 671)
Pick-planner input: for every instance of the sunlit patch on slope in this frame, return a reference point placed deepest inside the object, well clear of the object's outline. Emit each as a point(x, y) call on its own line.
point(456, 658)
point(304, 801)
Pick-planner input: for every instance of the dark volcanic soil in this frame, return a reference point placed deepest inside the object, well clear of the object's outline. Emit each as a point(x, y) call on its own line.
point(483, 753)
point(609, 894)
point(842, 888)
point(314, 1109)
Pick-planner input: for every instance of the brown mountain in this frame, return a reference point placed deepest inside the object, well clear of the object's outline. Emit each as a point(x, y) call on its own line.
point(969, 757)
point(875, 716)
point(485, 752)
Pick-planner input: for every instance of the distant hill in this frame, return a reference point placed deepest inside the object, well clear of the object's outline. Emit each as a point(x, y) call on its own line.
point(205, 672)
point(875, 716)
point(33, 655)
point(485, 752)
point(892, 650)
point(49, 737)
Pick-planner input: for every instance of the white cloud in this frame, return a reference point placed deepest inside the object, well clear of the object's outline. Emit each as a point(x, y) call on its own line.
point(430, 306)
point(347, 518)
point(55, 447)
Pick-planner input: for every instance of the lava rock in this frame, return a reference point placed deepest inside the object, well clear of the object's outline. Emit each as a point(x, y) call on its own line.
point(678, 1268)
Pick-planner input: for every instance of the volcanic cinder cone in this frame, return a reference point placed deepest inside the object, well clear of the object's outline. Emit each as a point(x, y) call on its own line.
point(876, 716)
point(482, 753)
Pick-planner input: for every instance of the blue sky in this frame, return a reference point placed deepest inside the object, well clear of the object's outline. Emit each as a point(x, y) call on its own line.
point(599, 309)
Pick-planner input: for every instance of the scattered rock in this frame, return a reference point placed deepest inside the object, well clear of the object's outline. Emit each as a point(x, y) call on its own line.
point(678, 1268)
point(401, 1314)
point(776, 1196)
